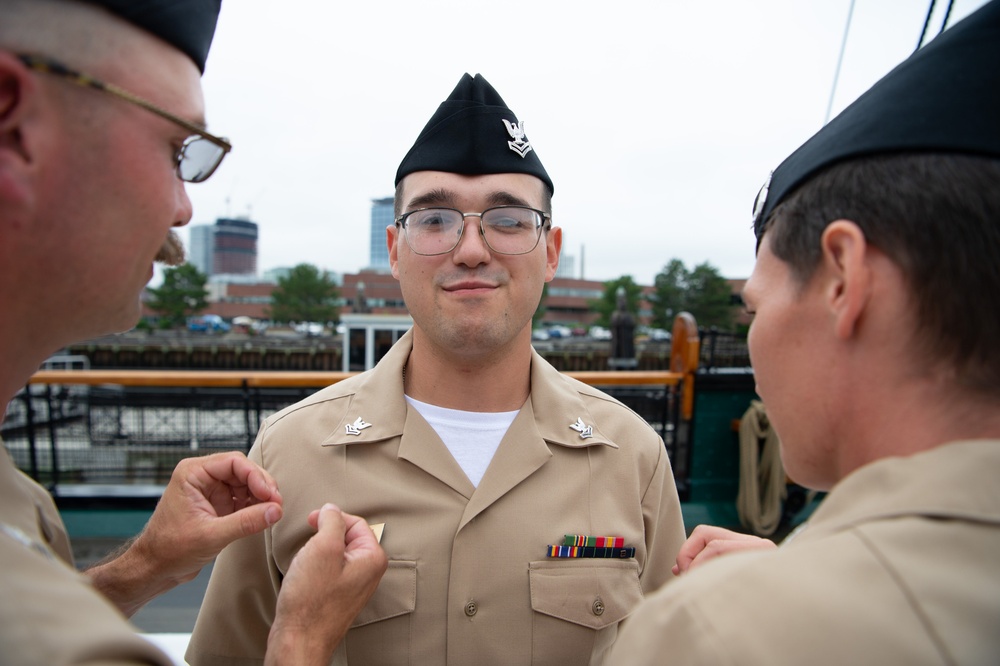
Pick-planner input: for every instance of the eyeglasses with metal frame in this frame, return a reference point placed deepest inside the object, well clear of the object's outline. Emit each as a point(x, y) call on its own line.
point(199, 156)
point(505, 229)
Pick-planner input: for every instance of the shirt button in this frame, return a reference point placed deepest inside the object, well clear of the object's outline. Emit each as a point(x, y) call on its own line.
point(598, 606)
point(471, 608)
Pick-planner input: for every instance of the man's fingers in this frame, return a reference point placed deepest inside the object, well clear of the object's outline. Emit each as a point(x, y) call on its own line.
point(261, 485)
point(330, 519)
point(313, 517)
point(352, 533)
point(245, 522)
point(709, 541)
point(724, 546)
point(235, 469)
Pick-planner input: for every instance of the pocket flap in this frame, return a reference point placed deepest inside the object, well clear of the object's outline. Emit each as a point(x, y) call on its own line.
point(395, 595)
point(590, 593)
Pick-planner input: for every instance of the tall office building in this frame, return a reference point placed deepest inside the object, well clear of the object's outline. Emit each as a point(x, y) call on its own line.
point(567, 262)
point(235, 247)
point(202, 247)
point(228, 247)
point(382, 217)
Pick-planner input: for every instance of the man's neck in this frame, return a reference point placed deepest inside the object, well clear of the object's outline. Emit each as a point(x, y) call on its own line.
point(917, 415)
point(499, 382)
point(22, 355)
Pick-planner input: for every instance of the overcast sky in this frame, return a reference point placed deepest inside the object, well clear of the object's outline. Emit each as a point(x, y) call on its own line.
point(658, 121)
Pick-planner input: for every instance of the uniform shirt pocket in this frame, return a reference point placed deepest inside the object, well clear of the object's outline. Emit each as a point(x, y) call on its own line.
point(578, 604)
point(588, 592)
point(396, 594)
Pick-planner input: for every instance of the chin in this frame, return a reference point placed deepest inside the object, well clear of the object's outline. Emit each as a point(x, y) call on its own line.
point(125, 319)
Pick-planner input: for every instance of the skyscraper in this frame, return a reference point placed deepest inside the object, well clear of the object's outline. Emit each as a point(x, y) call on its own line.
point(382, 217)
point(202, 247)
point(235, 247)
point(228, 247)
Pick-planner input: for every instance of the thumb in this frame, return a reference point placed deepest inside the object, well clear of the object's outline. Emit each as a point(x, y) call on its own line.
point(247, 521)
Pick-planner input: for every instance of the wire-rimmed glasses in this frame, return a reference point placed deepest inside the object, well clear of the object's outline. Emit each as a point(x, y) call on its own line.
point(505, 229)
point(199, 156)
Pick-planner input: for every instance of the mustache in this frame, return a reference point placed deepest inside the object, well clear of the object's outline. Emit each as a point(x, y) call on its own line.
point(172, 251)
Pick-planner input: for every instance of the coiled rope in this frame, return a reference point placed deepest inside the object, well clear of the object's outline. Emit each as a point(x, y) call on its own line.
point(762, 476)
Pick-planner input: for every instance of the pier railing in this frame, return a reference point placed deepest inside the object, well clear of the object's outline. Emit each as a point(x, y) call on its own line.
point(121, 432)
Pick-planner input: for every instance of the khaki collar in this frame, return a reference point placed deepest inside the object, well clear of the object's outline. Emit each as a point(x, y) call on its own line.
point(378, 410)
point(954, 481)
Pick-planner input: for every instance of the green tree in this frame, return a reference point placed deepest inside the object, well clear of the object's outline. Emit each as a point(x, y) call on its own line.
point(710, 299)
point(181, 295)
point(701, 291)
point(305, 294)
point(608, 302)
point(669, 294)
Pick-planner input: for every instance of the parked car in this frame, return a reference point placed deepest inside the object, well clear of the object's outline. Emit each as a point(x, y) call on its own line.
point(249, 325)
point(600, 333)
point(557, 331)
point(659, 335)
point(209, 323)
point(308, 328)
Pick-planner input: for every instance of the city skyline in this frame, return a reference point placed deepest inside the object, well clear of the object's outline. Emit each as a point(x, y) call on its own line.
point(658, 122)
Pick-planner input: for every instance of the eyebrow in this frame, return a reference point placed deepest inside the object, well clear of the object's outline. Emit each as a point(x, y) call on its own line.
point(506, 199)
point(438, 197)
point(443, 197)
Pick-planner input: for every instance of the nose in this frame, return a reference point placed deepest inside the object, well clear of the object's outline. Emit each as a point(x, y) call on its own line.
point(472, 249)
point(185, 209)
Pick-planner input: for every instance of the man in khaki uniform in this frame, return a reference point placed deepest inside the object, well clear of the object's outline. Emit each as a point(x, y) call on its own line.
point(875, 349)
point(92, 174)
point(474, 453)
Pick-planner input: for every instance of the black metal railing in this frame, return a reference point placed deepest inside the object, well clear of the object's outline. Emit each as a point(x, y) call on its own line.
point(722, 350)
point(85, 437)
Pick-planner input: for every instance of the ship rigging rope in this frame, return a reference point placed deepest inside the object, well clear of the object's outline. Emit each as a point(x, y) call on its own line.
point(847, 30)
point(840, 61)
point(762, 476)
point(927, 21)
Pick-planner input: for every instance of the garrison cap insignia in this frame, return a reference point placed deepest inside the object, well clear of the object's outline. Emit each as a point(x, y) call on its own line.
point(519, 145)
point(356, 427)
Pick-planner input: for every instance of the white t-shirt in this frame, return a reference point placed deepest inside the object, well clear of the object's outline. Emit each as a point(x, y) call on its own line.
point(472, 437)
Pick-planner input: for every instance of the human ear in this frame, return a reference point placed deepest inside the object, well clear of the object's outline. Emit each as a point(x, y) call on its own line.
point(391, 240)
point(848, 273)
point(18, 92)
point(553, 246)
point(15, 83)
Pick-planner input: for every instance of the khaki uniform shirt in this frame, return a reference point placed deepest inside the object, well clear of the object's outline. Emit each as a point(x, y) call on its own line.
point(899, 565)
point(468, 581)
point(49, 613)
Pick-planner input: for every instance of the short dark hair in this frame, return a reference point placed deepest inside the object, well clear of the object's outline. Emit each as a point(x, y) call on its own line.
point(937, 217)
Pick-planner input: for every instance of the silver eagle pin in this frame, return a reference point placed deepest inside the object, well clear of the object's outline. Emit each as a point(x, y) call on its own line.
point(519, 145)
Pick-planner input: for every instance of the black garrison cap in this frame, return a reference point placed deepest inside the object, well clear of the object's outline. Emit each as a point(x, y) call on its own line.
point(943, 98)
point(473, 133)
point(188, 25)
